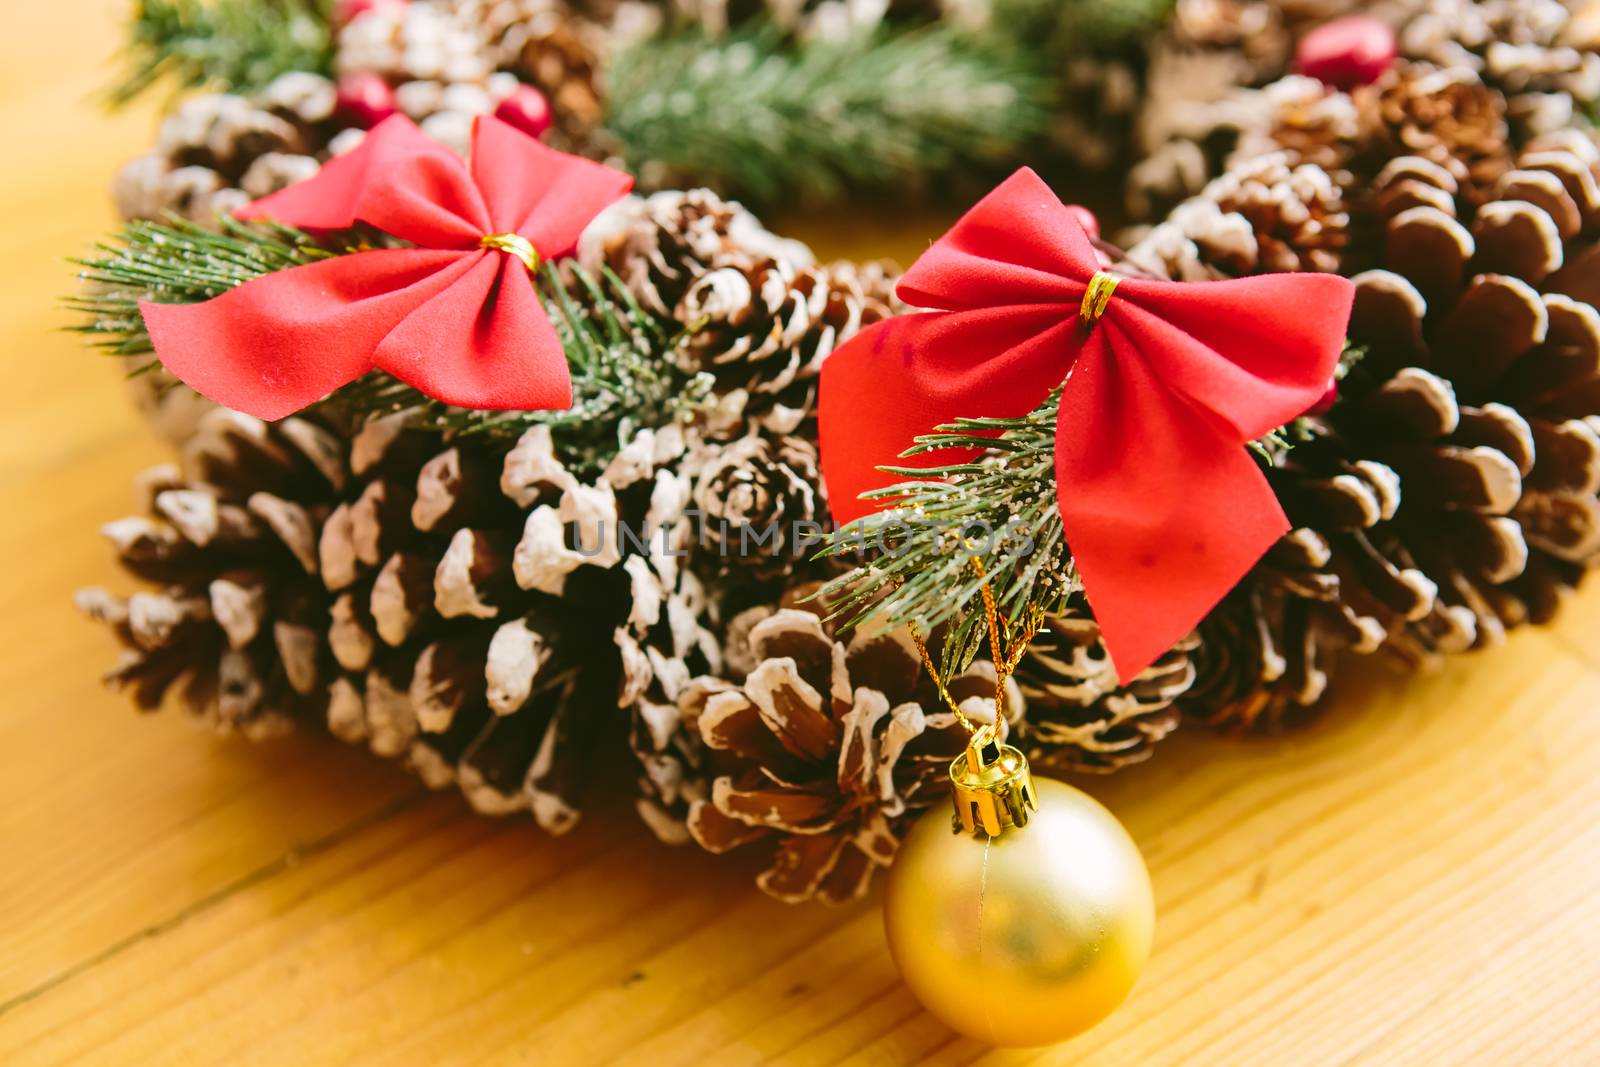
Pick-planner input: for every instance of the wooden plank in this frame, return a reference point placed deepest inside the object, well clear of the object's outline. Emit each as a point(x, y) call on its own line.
point(1321, 898)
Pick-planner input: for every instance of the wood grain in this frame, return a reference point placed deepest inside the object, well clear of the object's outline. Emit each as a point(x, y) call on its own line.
point(1413, 881)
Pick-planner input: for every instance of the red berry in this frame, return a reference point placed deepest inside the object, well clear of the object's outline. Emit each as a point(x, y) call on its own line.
point(365, 99)
point(1347, 52)
point(347, 11)
point(526, 109)
point(1086, 219)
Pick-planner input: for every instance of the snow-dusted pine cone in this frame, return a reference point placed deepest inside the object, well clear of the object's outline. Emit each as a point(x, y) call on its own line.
point(1192, 102)
point(1079, 717)
point(821, 19)
point(762, 330)
point(662, 244)
point(235, 621)
point(438, 60)
point(548, 44)
point(1101, 97)
point(1543, 54)
point(754, 311)
point(1261, 215)
point(820, 752)
point(760, 502)
point(218, 151)
point(459, 605)
point(422, 40)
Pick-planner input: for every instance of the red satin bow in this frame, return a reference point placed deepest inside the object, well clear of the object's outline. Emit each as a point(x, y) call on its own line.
point(1162, 505)
point(454, 316)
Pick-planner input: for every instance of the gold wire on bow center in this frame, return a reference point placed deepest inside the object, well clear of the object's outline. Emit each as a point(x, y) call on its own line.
point(1096, 297)
point(513, 244)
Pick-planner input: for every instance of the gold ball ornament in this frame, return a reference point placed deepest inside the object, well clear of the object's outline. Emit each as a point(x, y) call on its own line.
point(1030, 922)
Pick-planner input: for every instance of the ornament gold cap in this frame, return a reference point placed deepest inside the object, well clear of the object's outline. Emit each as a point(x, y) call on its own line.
point(990, 786)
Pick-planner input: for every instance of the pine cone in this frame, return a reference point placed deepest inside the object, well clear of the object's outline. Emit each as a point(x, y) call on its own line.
point(1267, 652)
point(218, 151)
point(822, 752)
point(1190, 107)
point(419, 41)
point(1262, 215)
point(760, 501)
point(1447, 116)
point(1101, 96)
point(1450, 493)
point(1541, 53)
point(661, 244)
point(1262, 664)
point(814, 19)
point(450, 61)
point(229, 540)
point(546, 45)
point(1079, 717)
point(1306, 119)
point(663, 649)
point(757, 316)
point(385, 589)
point(1253, 29)
point(664, 664)
point(762, 331)
point(1483, 394)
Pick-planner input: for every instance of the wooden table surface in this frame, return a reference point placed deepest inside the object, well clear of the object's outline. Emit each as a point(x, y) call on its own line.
point(1413, 881)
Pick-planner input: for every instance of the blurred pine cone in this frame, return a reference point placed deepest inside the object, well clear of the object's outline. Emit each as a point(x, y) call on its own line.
point(1448, 116)
point(1543, 54)
point(1261, 215)
point(549, 45)
point(811, 19)
point(218, 151)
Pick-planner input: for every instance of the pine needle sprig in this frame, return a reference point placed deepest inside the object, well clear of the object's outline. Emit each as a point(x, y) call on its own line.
point(999, 508)
point(234, 45)
point(177, 262)
point(767, 117)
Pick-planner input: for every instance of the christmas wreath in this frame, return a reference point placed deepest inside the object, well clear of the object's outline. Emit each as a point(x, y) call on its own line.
point(511, 469)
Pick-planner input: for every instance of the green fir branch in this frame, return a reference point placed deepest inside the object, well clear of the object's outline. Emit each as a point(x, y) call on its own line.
point(766, 117)
point(999, 507)
point(177, 262)
point(233, 45)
